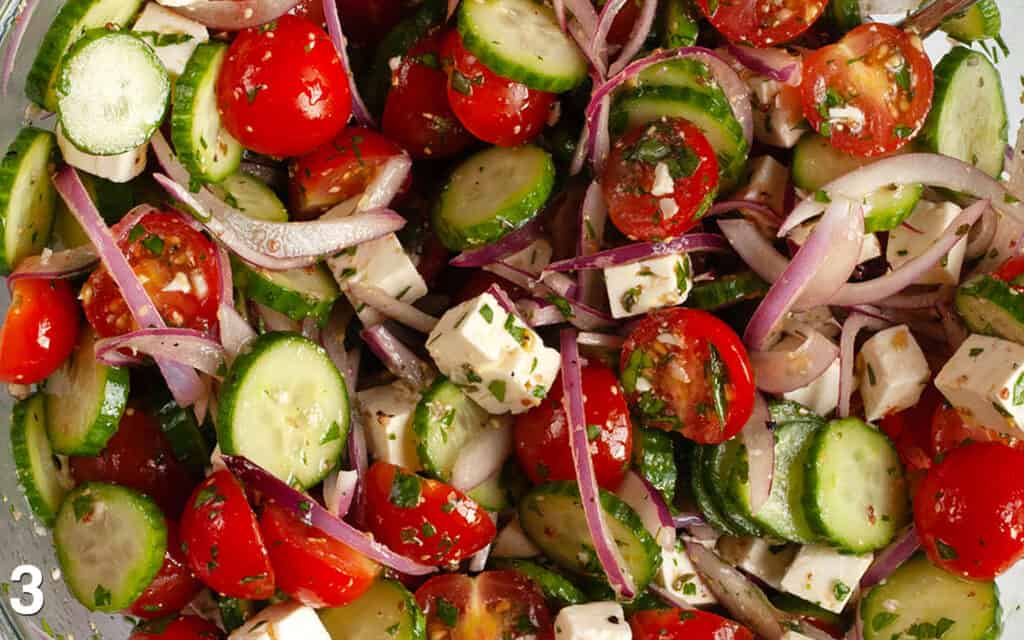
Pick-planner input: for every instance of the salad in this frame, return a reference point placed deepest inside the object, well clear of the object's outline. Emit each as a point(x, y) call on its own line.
point(510, 319)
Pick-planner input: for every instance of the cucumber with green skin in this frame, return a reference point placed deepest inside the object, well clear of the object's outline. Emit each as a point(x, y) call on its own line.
point(252, 197)
point(844, 15)
point(297, 293)
point(992, 307)
point(28, 199)
point(377, 82)
point(387, 611)
point(727, 290)
point(554, 586)
point(234, 611)
point(33, 459)
point(702, 493)
point(682, 24)
point(654, 459)
point(981, 21)
point(720, 464)
point(183, 434)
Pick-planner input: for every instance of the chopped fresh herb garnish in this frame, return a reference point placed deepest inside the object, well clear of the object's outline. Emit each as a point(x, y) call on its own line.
point(718, 376)
point(101, 596)
point(487, 313)
point(497, 389)
point(447, 612)
point(946, 552)
point(405, 490)
point(882, 620)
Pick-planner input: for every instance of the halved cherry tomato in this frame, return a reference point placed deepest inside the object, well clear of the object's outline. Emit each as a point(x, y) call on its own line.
point(140, 457)
point(173, 587)
point(542, 433)
point(416, 113)
point(1012, 272)
point(338, 170)
point(493, 108)
point(950, 430)
point(679, 624)
point(911, 430)
point(178, 267)
point(332, 574)
point(283, 90)
point(660, 178)
point(968, 510)
point(312, 9)
point(39, 332)
point(622, 25)
point(426, 520)
point(870, 92)
point(222, 541)
point(762, 23)
point(686, 370)
point(183, 628)
point(494, 604)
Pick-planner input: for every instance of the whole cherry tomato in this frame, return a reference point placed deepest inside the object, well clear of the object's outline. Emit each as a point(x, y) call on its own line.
point(39, 332)
point(690, 624)
point(494, 604)
point(762, 23)
point(183, 628)
point(172, 588)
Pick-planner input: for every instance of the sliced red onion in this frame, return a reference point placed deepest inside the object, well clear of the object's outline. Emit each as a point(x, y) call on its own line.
point(637, 37)
point(853, 325)
point(602, 340)
point(315, 515)
point(397, 357)
point(512, 542)
point(503, 248)
point(890, 558)
point(235, 331)
point(537, 313)
point(602, 140)
point(583, 12)
point(783, 370)
point(401, 312)
point(339, 489)
point(276, 321)
point(231, 15)
point(599, 43)
point(584, 316)
point(590, 237)
point(453, 6)
point(309, 329)
point(956, 331)
point(227, 283)
point(930, 16)
point(55, 266)
point(649, 504)
point(183, 381)
point(761, 212)
point(598, 64)
point(359, 110)
point(777, 64)
point(607, 550)
point(817, 271)
point(740, 597)
point(21, 22)
point(856, 632)
point(483, 456)
point(760, 444)
point(811, 631)
point(506, 302)
point(332, 339)
point(387, 183)
point(641, 251)
point(979, 240)
point(184, 346)
point(755, 250)
point(478, 561)
point(670, 598)
point(274, 176)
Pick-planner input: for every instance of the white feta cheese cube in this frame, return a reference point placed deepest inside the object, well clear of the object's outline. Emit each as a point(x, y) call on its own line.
point(120, 168)
point(870, 249)
point(285, 621)
point(918, 233)
point(769, 180)
point(533, 258)
point(512, 542)
point(822, 395)
point(594, 621)
point(757, 557)
point(180, 38)
point(778, 113)
point(893, 372)
point(472, 335)
point(822, 575)
point(639, 287)
point(381, 263)
point(679, 577)
point(984, 380)
point(387, 413)
point(1005, 243)
point(519, 382)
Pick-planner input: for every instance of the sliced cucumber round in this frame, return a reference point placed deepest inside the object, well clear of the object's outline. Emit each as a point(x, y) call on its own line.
point(682, 24)
point(491, 194)
point(297, 293)
point(84, 401)
point(722, 462)
point(34, 461)
point(654, 458)
point(521, 40)
point(74, 18)
point(204, 146)
point(702, 493)
point(252, 197)
point(387, 611)
point(992, 307)
point(727, 290)
point(110, 542)
point(112, 92)
point(284, 406)
point(27, 198)
point(187, 442)
point(554, 586)
point(981, 21)
point(920, 600)
point(855, 495)
point(968, 118)
point(681, 72)
point(552, 516)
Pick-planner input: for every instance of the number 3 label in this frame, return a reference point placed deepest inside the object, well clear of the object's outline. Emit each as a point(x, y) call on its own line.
point(31, 600)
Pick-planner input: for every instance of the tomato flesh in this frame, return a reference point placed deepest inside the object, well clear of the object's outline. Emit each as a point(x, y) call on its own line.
point(686, 370)
point(762, 23)
point(283, 90)
point(968, 510)
point(222, 541)
point(660, 178)
point(679, 624)
point(494, 604)
point(183, 628)
point(426, 520)
point(911, 430)
point(542, 434)
point(39, 332)
point(869, 93)
point(172, 588)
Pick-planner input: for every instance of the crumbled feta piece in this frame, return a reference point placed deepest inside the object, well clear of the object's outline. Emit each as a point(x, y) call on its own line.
point(654, 283)
point(984, 380)
point(120, 168)
point(757, 557)
point(533, 258)
point(387, 413)
point(778, 113)
point(678, 576)
point(870, 249)
point(918, 233)
point(594, 621)
point(824, 576)
point(663, 185)
point(179, 284)
point(181, 36)
point(893, 372)
point(668, 208)
point(381, 263)
point(285, 621)
point(822, 395)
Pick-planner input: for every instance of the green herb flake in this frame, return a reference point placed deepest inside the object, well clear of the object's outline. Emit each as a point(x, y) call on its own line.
point(718, 374)
point(154, 244)
point(946, 552)
point(882, 620)
point(631, 297)
point(487, 313)
point(821, 196)
point(840, 590)
point(497, 389)
point(447, 612)
point(405, 490)
point(101, 596)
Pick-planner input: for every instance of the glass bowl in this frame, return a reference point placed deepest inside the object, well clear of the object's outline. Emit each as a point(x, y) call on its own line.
point(26, 545)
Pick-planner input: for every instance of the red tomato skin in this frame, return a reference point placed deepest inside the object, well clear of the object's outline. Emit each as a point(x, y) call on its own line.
point(911, 430)
point(332, 574)
point(39, 332)
point(183, 628)
point(312, 9)
point(882, 132)
point(416, 112)
point(968, 510)
point(443, 527)
point(283, 90)
point(627, 183)
point(494, 604)
point(139, 456)
point(757, 25)
point(222, 541)
point(542, 433)
point(183, 249)
point(172, 588)
point(695, 330)
point(1011, 272)
point(494, 109)
point(338, 170)
point(677, 624)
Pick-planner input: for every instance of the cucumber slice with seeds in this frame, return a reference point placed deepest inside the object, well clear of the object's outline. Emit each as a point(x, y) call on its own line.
point(991, 307)
point(110, 542)
point(387, 611)
point(252, 197)
point(981, 21)
point(39, 476)
point(297, 293)
point(204, 146)
point(27, 198)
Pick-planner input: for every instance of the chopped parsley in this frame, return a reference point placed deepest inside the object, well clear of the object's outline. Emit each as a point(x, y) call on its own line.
point(405, 490)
